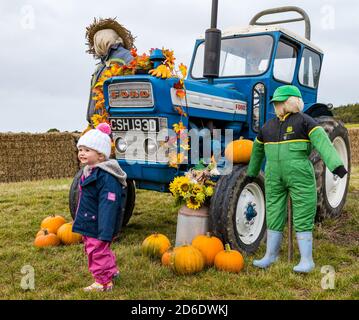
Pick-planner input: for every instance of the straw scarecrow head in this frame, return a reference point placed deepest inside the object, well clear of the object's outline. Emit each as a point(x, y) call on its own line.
point(111, 25)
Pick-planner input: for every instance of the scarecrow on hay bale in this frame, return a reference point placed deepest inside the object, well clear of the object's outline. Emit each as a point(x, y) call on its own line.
point(108, 41)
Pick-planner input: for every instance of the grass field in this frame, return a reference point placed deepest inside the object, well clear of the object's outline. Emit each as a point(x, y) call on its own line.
point(61, 272)
point(352, 125)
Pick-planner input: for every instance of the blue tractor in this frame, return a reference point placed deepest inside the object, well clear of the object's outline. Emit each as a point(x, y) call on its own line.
point(232, 77)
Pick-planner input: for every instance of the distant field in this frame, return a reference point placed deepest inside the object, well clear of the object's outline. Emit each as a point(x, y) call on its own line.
point(352, 125)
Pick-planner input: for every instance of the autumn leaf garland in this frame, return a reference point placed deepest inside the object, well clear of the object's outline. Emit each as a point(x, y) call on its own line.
point(139, 62)
point(164, 70)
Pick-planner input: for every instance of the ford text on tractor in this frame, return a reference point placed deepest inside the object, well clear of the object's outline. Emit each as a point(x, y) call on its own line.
point(232, 77)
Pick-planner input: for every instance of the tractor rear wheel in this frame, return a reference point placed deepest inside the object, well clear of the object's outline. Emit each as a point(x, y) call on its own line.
point(332, 190)
point(129, 203)
point(237, 210)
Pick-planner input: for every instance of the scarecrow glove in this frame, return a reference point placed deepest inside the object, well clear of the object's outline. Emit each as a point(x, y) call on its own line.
point(340, 171)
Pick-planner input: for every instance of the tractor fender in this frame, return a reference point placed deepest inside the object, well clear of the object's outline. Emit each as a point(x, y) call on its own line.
point(317, 110)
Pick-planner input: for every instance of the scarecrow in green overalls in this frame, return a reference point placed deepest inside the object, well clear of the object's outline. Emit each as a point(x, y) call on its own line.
point(286, 142)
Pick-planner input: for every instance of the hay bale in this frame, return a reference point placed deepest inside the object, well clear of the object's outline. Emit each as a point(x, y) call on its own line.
point(26, 156)
point(354, 145)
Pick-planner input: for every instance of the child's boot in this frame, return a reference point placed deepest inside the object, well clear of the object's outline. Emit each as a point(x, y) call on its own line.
point(305, 244)
point(99, 287)
point(274, 239)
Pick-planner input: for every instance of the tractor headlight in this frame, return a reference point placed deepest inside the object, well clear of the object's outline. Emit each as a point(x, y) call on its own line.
point(150, 146)
point(258, 105)
point(121, 144)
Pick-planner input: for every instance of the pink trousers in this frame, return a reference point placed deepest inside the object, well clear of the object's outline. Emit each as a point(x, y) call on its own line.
point(101, 260)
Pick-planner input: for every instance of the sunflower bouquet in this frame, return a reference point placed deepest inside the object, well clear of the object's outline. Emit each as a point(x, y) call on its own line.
point(194, 189)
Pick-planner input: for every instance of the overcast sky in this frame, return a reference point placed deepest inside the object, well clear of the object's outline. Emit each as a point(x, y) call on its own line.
point(45, 71)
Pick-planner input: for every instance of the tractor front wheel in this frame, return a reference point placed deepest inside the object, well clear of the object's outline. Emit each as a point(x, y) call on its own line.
point(332, 190)
point(237, 210)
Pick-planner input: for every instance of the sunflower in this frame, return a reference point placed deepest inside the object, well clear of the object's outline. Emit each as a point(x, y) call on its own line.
point(174, 185)
point(184, 186)
point(209, 191)
point(192, 203)
point(209, 183)
point(196, 189)
point(200, 197)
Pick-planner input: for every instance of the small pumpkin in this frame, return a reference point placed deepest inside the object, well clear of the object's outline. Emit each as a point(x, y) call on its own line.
point(155, 245)
point(53, 223)
point(239, 151)
point(46, 239)
point(209, 247)
point(229, 260)
point(167, 257)
point(41, 232)
point(187, 260)
point(67, 236)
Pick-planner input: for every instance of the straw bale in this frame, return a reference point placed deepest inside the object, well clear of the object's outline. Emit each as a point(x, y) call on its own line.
point(26, 156)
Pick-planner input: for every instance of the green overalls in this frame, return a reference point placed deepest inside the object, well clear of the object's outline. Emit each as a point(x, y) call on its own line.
point(286, 145)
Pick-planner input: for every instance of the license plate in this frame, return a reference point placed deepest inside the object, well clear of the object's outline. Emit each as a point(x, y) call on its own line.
point(135, 124)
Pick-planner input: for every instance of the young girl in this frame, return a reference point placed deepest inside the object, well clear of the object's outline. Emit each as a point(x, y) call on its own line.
point(98, 215)
point(286, 142)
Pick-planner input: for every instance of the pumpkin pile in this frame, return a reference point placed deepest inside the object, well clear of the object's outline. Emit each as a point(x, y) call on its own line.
point(54, 231)
point(204, 251)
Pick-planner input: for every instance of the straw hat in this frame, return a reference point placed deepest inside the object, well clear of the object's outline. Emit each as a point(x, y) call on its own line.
point(109, 23)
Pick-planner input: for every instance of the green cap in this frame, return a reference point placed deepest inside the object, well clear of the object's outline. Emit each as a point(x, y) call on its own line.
point(284, 92)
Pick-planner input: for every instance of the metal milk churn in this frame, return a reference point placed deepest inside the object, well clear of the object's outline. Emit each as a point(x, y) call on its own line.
point(191, 223)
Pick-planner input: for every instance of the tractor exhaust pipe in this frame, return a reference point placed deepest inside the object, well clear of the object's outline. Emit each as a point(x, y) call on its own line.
point(212, 47)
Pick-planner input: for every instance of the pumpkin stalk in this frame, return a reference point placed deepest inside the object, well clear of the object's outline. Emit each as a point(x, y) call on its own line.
point(228, 247)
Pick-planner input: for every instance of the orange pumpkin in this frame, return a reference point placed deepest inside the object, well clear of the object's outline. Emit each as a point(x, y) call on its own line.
point(47, 240)
point(67, 236)
point(52, 223)
point(187, 260)
point(239, 151)
point(41, 232)
point(229, 260)
point(209, 247)
point(155, 245)
point(166, 259)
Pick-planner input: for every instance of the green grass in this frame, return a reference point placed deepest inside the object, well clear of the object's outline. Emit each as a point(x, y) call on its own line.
point(352, 125)
point(61, 272)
